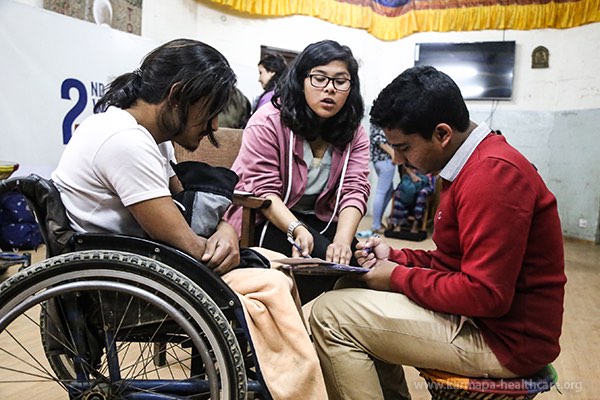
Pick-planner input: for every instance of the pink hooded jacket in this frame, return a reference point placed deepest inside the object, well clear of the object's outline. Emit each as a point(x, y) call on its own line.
point(263, 167)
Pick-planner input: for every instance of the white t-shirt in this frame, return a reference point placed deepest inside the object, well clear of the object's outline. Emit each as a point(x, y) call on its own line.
point(111, 162)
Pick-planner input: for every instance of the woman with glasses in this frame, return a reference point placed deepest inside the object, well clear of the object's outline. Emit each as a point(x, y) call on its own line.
point(308, 154)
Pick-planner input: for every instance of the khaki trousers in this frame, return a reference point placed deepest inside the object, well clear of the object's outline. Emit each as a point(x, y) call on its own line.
point(364, 336)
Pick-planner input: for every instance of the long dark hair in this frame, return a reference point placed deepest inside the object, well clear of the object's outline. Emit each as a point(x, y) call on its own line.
point(272, 63)
point(298, 116)
point(194, 70)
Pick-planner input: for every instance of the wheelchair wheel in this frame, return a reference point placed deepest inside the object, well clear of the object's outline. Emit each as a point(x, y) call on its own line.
point(86, 325)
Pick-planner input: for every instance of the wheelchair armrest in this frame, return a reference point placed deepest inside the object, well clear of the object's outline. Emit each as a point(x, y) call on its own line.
point(214, 286)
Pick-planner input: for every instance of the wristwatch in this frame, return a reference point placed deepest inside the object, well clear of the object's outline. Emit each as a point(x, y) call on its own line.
point(292, 227)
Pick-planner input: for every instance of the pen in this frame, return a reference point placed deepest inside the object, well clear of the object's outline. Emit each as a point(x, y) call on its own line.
point(368, 249)
point(297, 246)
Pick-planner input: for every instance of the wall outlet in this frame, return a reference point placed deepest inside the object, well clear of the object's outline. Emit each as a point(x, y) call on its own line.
point(582, 223)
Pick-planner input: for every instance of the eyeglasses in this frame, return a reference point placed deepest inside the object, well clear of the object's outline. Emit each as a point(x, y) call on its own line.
point(321, 81)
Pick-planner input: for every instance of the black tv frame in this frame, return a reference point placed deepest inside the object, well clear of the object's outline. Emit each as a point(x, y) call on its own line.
point(486, 65)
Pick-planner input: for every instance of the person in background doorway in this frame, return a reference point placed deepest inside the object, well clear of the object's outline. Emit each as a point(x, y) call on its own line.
point(488, 300)
point(270, 70)
point(309, 155)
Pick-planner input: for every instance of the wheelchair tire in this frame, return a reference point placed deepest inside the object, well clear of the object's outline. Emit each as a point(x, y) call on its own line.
point(87, 323)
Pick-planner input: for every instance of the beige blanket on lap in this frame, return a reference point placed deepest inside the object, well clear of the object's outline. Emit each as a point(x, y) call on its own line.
point(286, 356)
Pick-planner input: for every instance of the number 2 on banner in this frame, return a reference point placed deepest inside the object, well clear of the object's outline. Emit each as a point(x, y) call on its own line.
point(78, 107)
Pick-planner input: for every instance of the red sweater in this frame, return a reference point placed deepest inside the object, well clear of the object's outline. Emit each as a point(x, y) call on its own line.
point(499, 257)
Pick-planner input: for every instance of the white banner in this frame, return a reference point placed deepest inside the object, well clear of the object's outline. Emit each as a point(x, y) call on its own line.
point(54, 68)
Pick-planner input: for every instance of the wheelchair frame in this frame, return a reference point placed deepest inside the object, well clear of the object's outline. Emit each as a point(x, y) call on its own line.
point(119, 317)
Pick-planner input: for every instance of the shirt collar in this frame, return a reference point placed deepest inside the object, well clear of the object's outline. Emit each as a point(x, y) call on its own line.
point(459, 159)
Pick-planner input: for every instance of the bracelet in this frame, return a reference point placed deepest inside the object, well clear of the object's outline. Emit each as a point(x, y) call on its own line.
point(292, 227)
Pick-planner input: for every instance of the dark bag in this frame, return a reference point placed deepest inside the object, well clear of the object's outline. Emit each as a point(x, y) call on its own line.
point(207, 194)
point(18, 227)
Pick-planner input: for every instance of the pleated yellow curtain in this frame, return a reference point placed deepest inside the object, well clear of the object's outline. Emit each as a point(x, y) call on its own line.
point(395, 19)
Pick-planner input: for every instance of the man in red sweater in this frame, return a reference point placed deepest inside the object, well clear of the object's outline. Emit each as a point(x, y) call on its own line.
point(488, 301)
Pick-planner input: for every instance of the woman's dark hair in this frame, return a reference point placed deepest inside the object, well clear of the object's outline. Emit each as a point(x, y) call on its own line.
point(272, 63)
point(276, 64)
point(299, 117)
point(182, 71)
point(418, 100)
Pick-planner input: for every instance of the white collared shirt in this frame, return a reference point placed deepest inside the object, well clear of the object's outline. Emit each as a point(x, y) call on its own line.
point(459, 159)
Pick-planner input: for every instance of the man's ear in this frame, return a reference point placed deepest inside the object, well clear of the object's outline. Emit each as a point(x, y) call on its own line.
point(443, 133)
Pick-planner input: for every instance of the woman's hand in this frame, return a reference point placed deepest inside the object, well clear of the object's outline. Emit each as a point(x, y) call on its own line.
point(305, 240)
point(339, 252)
point(222, 252)
point(371, 252)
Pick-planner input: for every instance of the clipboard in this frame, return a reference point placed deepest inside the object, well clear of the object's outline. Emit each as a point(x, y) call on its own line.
point(318, 266)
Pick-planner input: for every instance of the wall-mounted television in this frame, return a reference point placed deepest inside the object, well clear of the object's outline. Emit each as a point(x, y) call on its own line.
point(482, 70)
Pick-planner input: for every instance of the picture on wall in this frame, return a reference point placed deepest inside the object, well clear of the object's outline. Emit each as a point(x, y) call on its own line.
point(124, 15)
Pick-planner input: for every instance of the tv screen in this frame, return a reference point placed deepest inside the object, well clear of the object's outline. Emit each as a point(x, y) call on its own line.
point(482, 70)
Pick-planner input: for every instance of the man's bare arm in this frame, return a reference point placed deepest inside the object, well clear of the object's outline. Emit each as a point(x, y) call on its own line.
point(162, 221)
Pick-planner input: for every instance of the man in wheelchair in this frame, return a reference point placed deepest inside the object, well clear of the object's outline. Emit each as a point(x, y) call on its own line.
point(147, 319)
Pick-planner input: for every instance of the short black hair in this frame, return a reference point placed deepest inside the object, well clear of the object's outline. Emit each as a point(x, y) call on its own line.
point(418, 100)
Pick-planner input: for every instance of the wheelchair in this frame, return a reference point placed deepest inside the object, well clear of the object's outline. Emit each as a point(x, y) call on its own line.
point(117, 317)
